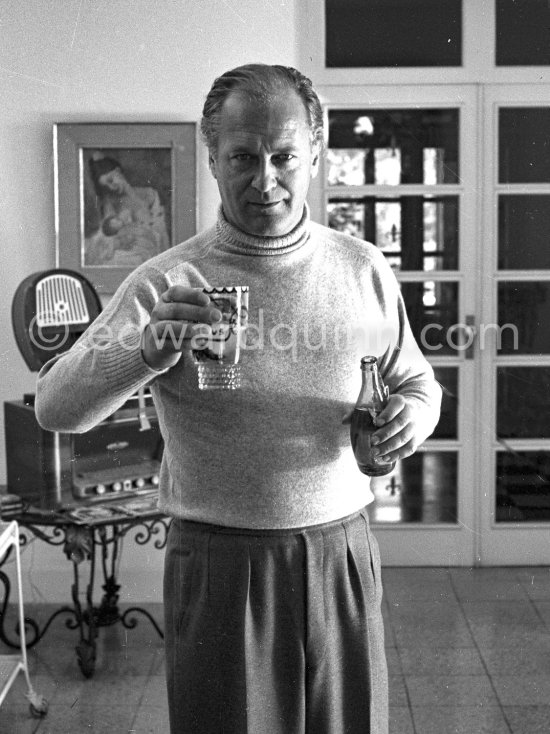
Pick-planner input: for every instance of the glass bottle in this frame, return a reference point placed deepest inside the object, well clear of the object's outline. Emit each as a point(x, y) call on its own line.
point(371, 401)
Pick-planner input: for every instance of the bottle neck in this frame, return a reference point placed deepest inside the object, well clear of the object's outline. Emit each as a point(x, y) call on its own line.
point(372, 395)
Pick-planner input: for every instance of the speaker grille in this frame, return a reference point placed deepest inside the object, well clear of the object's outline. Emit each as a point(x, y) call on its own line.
point(60, 301)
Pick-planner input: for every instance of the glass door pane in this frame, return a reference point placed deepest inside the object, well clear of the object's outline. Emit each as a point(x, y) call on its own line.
point(522, 33)
point(522, 487)
point(524, 231)
point(421, 489)
point(400, 33)
point(523, 402)
point(432, 307)
point(523, 153)
point(392, 146)
point(523, 317)
point(413, 232)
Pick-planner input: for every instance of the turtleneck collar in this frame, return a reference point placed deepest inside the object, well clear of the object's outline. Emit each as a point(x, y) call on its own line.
point(240, 242)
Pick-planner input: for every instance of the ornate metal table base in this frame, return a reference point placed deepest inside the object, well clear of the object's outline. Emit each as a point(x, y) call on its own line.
point(81, 543)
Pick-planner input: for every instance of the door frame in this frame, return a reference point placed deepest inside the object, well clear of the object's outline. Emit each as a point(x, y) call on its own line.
point(418, 544)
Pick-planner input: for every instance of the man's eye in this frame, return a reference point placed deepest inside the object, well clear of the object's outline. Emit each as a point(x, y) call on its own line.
point(242, 157)
point(284, 157)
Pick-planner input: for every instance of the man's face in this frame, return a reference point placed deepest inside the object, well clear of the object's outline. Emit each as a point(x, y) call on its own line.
point(264, 163)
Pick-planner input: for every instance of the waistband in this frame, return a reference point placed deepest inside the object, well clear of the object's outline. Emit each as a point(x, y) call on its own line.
point(201, 528)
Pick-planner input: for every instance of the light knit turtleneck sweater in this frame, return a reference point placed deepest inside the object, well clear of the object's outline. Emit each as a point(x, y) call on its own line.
point(274, 453)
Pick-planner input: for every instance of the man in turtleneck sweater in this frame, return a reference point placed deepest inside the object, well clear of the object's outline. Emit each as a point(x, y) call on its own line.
point(272, 584)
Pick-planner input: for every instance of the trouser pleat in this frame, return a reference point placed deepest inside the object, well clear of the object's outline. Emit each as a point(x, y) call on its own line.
point(347, 685)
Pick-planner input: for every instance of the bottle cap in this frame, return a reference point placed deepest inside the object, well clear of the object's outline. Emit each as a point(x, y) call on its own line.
point(367, 360)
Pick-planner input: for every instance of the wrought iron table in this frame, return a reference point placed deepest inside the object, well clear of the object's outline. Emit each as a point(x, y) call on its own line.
point(85, 534)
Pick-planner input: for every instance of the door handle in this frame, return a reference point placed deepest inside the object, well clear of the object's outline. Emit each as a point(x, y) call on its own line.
point(468, 331)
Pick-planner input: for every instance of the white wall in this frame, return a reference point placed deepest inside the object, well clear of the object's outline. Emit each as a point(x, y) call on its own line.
point(104, 60)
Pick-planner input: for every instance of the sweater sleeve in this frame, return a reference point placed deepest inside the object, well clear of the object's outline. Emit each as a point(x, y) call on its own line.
point(81, 387)
point(403, 366)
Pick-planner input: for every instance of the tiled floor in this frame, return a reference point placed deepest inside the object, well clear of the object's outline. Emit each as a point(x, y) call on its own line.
point(468, 653)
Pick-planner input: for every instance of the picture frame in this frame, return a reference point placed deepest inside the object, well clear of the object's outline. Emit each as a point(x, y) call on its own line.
point(124, 192)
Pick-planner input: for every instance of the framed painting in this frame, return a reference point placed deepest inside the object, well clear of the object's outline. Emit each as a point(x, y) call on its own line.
point(124, 192)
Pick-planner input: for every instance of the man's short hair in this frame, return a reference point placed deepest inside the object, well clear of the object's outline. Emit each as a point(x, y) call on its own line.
point(260, 82)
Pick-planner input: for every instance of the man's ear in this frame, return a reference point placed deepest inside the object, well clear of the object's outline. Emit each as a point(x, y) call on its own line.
point(212, 164)
point(315, 160)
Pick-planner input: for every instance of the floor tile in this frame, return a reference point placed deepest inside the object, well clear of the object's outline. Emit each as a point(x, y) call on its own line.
point(527, 659)
point(411, 576)
point(506, 623)
point(417, 584)
point(447, 625)
point(393, 661)
point(401, 720)
point(441, 661)
point(389, 637)
point(528, 719)
point(119, 653)
point(127, 661)
point(55, 659)
point(487, 584)
point(450, 690)
point(513, 690)
point(158, 666)
point(481, 719)
point(87, 717)
point(17, 720)
point(150, 720)
point(104, 691)
point(535, 581)
point(144, 632)
point(42, 685)
point(543, 608)
point(154, 694)
point(398, 691)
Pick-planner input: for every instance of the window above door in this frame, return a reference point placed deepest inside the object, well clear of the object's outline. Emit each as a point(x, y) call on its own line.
point(353, 42)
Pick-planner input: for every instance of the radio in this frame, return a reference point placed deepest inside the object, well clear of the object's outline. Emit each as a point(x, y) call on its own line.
point(104, 483)
point(119, 456)
point(50, 311)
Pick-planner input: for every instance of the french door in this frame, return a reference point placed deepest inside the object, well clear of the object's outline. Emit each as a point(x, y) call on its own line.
point(433, 176)
point(514, 435)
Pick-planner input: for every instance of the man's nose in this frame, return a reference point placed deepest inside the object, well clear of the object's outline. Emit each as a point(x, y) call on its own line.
point(265, 177)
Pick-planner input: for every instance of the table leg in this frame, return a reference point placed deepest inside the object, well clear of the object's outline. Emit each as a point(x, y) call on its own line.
point(79, 543)
point(86, 648)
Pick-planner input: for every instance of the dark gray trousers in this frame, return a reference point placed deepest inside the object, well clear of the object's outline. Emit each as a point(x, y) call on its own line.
point(276, 631)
